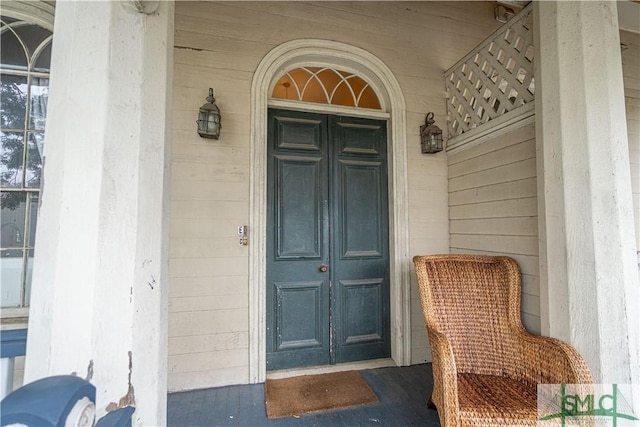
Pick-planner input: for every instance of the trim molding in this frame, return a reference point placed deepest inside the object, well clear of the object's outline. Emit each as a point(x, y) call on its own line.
point(512, 120)
point(38, 12)
point(385, 84)
point(328, 109)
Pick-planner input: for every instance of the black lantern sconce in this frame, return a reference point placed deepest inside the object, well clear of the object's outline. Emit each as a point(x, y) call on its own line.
point(209, 118)
point(431, 136)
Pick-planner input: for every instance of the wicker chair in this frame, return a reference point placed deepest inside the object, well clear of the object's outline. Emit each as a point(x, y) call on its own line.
point(486, 366)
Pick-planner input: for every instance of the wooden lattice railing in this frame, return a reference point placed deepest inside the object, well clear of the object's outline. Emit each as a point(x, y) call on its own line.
point(494, 79)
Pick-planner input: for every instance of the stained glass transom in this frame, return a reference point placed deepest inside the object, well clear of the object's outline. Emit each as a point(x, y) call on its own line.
point(326, 86)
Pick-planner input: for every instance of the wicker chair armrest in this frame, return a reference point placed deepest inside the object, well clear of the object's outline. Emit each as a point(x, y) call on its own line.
point(445, 379)
point(551, 361)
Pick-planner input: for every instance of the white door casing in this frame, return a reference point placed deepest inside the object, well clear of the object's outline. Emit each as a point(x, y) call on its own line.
point(339, 55)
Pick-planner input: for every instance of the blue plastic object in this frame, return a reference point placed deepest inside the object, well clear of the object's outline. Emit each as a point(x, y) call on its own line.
point(118, 418)
point(13, 342)
point(45, 402)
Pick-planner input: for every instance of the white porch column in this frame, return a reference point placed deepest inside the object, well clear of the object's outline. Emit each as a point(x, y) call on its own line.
point(99, 299)
point(589, 273)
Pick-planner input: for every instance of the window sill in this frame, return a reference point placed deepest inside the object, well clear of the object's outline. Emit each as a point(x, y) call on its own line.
point(14, 318)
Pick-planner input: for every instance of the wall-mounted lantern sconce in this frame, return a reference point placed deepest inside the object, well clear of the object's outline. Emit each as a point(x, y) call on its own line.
point(209, 118)
point(431, 136)
point(503, 13)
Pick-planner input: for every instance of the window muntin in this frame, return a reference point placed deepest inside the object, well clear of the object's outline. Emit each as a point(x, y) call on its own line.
point(24, 89)
point(326, 86)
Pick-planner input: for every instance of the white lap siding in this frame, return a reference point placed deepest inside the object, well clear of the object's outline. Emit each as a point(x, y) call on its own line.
point(492, 191)
point(493, 208)
point(219, 45)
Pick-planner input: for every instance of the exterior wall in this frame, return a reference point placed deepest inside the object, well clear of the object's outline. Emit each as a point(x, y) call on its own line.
point(631, 73)
point(18, 372)
point(493, 208)
point(219, 45)
point(492, 191)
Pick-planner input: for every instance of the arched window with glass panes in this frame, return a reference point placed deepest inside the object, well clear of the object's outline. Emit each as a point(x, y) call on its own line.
point(24, 67)
point(326, 85)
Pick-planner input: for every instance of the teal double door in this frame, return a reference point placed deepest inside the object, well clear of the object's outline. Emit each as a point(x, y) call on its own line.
point(327, 296)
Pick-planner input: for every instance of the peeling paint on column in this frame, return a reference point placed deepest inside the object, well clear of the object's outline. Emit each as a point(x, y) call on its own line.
point(152, 282)
point(89, 371)
point(147, 7)
point(128, 399)
point(192, 49)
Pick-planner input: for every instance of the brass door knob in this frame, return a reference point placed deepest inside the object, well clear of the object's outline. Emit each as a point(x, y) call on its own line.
point(323, 268)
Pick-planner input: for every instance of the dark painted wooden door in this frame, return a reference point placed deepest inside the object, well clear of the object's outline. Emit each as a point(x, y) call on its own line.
point(327, 240)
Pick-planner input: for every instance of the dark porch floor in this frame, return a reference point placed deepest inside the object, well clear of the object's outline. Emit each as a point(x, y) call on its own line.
point(403, 394)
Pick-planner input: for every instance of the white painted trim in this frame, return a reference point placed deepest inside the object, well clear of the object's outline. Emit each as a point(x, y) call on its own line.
point(11, 312)
point(39, 13)
point(506, 123)
point(328, 369)
point(339, 55)
point(328, 109)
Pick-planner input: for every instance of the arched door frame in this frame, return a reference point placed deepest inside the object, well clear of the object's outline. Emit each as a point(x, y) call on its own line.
point(286, 56)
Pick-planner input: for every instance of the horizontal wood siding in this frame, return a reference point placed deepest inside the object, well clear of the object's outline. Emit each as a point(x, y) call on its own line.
point(631, 74)
point(493, 208)
point(219, 45)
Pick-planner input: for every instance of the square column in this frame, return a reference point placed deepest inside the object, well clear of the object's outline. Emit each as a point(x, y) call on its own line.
point(589, 272)
point(100, 279)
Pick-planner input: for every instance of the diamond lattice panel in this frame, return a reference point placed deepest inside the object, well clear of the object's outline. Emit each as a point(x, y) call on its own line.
point(495, 78)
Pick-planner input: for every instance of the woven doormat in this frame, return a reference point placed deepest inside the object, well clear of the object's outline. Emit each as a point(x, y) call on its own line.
point(315, 393)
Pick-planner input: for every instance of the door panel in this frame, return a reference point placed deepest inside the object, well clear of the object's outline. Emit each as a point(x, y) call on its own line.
point(296, 133)
point(359, 138)
point(327, 206)
point(298, 207)
point(360, 230)
point(297, 311)
point(299, 320)
point(361, 214)
point(300, 335)
point(301, 307)
point(362, 311)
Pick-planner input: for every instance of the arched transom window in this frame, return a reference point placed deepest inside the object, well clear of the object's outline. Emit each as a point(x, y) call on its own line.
point(325, 85)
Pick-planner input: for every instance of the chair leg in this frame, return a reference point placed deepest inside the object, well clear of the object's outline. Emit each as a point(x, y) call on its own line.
point(430, 403)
